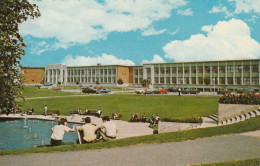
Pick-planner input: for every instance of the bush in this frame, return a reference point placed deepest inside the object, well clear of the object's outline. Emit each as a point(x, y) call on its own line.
point(250, 98)
point(192, 119)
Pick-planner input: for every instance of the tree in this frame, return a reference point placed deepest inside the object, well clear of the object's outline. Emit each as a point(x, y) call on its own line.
point(146, 83)
point(97, 82)
point(206, 80)
point(120, 81)
point(12, 13)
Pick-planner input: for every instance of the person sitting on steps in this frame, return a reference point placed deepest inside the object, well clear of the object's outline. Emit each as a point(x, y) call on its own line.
point(88, 131)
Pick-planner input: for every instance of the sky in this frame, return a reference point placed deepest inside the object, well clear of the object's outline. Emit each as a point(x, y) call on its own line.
point(133, 32)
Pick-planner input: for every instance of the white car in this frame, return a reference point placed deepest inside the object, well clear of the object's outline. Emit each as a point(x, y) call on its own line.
point(139, 91)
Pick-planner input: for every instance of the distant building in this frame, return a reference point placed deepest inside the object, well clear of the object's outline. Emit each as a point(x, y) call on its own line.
point(230, 74)
point(32, 75)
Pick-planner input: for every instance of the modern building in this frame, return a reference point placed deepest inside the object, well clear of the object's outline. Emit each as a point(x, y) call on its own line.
point(230, 74)
point(32, 75)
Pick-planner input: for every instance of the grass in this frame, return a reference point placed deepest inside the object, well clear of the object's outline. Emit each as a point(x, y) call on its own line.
point(248, 125)
point(251, 162)
point(164, 105)
point(32, 91)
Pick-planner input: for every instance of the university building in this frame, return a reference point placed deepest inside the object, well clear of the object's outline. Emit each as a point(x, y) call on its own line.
point(230, 74)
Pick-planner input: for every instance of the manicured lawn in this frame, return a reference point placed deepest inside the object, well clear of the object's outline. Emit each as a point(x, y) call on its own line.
point(163, 105)
point(251, 162)
point(32, 91)
point(248, 125)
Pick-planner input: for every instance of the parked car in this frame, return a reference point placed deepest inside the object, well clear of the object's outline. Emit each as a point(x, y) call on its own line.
point(193, 91)
point(223, 91)
point(161, 91)
point(185, 91)
point(48, 84)
point(89, 90)
point(104, 90)
point(139, 91)
point(150, 91)
point(172, 90)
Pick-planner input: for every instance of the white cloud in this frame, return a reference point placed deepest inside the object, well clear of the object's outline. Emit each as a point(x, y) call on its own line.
point(226, 40)
point(104, 59)
point(173, 33)
point(252, 19)
point(187, 12)
point(84, 21)
point(156, 59)
point(246, 6)
point(241, 6)
point(152, 31)
point(39, 47)
point(221, 9)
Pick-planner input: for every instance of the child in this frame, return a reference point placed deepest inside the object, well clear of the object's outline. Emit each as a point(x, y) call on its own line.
point(58, 132)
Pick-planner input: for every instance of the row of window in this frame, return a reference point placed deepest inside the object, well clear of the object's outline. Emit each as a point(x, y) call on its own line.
point(222, 69)
point(93, 71)
point(230, 80)
point(92, 80)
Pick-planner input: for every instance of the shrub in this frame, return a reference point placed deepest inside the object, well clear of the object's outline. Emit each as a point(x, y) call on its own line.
point(249, 98)
point(192, 119)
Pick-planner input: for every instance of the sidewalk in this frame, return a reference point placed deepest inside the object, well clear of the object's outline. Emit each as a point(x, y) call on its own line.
point(206, 150)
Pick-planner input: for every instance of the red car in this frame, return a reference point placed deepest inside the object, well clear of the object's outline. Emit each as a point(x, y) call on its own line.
point(161, 91)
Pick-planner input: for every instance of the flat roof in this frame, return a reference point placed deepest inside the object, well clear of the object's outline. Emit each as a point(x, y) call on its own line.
point(205, 61)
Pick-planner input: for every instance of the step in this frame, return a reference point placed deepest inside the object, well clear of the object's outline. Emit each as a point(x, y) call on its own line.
point(257, 112)
point(229, 121)
point(252, 114)
point(233, 120)
point(247, 115)
point(242, 117)
point(237, 118)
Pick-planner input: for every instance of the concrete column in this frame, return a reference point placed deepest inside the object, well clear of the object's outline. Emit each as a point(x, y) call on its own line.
point(56, 73)
point(203, 73)
point(177, 74)
point(234, 74)
point(226, 74)
point(183, 74)
point(80, 75)
point(210, 73)
point(250, 72)
point(122, 78)
point(159, 77)
point(242, 73)
point(164, 74)
point(190, 75)
point(218, 74)
point(171, 74)
point(197, 81)
point(52, 76)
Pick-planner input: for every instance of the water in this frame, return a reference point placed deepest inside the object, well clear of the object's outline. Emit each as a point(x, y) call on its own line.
point(14, 136)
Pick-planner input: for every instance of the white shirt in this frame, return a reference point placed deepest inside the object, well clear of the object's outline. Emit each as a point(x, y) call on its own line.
point(110, 128)
point(45, 108)
point(58, 132)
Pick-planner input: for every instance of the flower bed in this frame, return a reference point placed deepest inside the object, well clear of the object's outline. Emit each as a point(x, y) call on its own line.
point(250, 99)
point(193, 119)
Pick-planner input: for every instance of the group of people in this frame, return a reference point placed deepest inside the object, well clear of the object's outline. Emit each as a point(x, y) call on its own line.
point(91, 133)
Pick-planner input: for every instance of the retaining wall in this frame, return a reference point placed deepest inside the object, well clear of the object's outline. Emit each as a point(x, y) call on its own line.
point(228, 111)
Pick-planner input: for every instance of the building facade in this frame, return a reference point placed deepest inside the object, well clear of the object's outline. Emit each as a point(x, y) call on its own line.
point(32, 75)
point(230, 74)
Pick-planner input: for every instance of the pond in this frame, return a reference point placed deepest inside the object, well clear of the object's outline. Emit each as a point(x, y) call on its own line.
point(21, 133)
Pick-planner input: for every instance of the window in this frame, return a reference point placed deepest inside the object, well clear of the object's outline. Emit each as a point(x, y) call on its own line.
point(246, 81)
point(230, 80)
point(255, 68)
point(200, 80)
point(238, 68)
point(174, 70)
point(114, 71)
point(193, 80)
point(238, 80)
point(167, 80)
point(148, 70)
point(180, 80)
point(255, 81)
point(222, 69)
point(200, 69)
point(246, 68)
point(207, 69)
point(162, 80)
point(141, 71)
point(156, 80)
point(193, 69)
point(186, 80)
point(156, 70)
point(167, 70)
point(180, 70)
point(174, 80)
point(186, 70)
point(230, 69)
point(162, 70)
point(136, 80)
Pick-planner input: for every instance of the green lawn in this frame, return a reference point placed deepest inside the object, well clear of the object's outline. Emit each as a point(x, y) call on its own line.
point(32, 91)
point(164, 105)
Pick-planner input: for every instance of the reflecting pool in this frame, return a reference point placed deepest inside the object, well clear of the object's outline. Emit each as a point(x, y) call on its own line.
point(25, 133)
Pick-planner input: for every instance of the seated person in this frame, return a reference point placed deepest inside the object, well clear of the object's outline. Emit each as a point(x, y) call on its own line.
point(85, 112)
point(79, 112)
point(88, 131)
point(99, 113)
point(58, 132)
point(144, 118)
point(107, 130)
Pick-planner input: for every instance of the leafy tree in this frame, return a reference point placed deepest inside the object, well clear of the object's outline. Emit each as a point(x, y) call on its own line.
point(146, 82)
point(97, 82)
point(77, 82)
point(120, 81)
point(206, 80)
point(12, 13)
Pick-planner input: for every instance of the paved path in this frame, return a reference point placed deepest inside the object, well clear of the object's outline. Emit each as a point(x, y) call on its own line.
point(206, 150)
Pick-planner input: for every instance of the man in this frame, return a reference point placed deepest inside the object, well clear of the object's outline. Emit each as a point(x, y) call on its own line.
point(107, 130)
point(58, 132)
point(179, 90)
point(88, 131)
point(45, 110)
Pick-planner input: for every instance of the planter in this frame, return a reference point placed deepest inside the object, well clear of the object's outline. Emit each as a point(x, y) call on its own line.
point(228, 111)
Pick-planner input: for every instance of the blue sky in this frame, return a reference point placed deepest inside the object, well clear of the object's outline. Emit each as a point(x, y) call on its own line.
point(132, 32)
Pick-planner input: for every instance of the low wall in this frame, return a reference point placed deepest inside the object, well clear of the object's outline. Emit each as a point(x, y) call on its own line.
point(228, 111)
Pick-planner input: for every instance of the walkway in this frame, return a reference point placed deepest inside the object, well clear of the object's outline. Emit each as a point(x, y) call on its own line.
point(206, 150)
